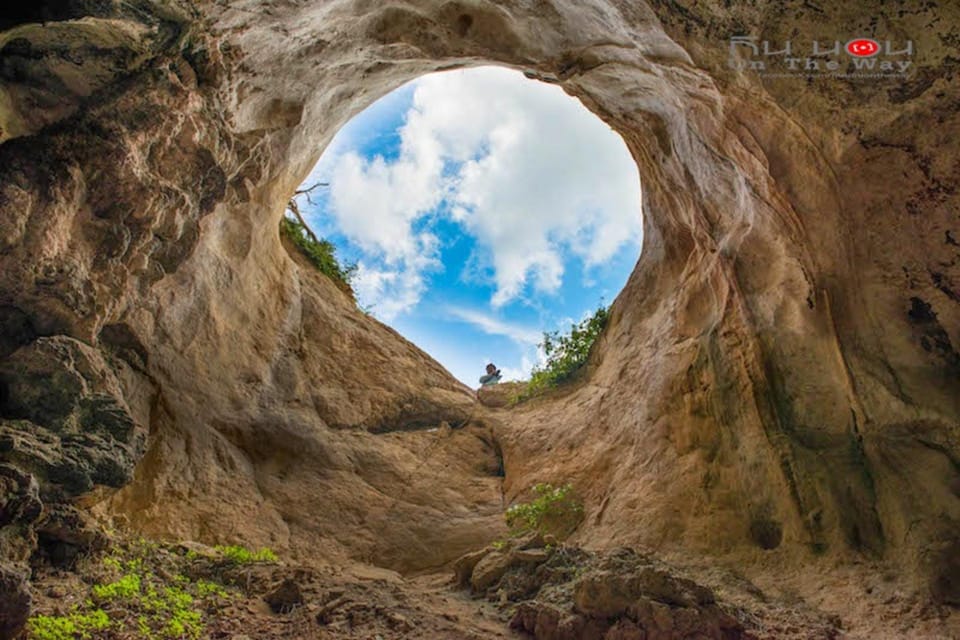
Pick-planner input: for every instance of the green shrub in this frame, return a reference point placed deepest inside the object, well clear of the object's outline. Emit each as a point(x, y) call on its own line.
point(75, 625)
point(242, 555)
point(565, 353)
point(554, 510)
point(167, 612)
point(126, 587)
point(143, 599)
point(320, 252)
point(184, 623)
point(206, 588)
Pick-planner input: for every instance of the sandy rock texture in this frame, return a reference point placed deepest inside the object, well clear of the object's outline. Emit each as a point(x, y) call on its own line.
point(779, 386)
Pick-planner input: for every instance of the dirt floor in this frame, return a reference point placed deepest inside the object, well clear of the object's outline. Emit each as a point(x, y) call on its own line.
point(523, 588)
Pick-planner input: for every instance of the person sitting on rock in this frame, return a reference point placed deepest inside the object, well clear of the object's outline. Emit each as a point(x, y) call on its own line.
point(492, 377)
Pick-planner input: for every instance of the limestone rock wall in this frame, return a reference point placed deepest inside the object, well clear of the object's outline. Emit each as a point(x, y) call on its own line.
point(152, 320)
point(779, 382)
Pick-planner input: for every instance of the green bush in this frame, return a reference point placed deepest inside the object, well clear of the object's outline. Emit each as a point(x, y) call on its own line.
point(321, 253)
point(242, 555)
point(565, 353)
point(140, 599)
point(206, 588)
point(126, 587)
point(554, 510)
point(74, 625)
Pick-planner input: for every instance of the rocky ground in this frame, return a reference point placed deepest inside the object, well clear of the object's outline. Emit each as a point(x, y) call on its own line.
point(98, 582)
point(566, 592)
point(519, 588)
point(252, 599)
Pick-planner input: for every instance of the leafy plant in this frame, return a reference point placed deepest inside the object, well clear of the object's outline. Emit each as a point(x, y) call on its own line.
point(242, 555)
point(126, 587)
point(555, 511)
point(320, 252)
point(206, 588)
point(140, 599)
point(76, 624)
point(565, 353)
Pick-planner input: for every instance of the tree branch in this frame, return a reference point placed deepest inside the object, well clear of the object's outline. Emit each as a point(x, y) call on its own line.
point(308, 190)
point(292, 206)
point(295, 208)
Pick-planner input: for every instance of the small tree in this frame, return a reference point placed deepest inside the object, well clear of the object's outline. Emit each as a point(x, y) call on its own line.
point(566, 353)
point(320, 252)
point(554, 510)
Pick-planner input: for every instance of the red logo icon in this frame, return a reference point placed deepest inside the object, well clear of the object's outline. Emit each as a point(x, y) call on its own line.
point(863, 47)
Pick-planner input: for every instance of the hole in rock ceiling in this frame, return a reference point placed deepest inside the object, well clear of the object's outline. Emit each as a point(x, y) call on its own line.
point(478, 209)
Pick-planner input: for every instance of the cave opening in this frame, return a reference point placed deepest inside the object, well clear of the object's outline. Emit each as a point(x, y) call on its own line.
point(473, 210)
point(768, 396)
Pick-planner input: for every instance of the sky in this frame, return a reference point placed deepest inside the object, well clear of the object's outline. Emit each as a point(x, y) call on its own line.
point(481, 209)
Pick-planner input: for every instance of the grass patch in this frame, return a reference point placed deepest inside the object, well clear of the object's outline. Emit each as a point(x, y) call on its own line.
point(126, 587)
point(206, 588)
point(566, 353)
point(555, 511)
point(77, 624)
point(320, 252)
point(242, 555)
point(136, 595)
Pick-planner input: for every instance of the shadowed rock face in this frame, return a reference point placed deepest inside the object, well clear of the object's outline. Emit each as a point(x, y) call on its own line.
point(780, 380)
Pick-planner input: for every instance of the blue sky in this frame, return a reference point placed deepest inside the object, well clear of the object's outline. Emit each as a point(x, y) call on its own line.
point(482, 209)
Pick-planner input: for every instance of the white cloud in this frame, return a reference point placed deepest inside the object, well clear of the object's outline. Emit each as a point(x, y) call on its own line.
point(511, 374)
point(549, 176)
point(490, 325)
point(389, 292)
point(528, 339)
point(528, 171)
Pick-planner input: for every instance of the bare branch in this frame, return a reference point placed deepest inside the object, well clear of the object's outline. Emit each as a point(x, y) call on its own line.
point(295, 208)
point(311, 188)
point(308, 190)
point(292, 206)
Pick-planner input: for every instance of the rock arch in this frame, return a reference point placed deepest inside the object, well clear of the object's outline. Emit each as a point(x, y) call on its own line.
point(780, 379)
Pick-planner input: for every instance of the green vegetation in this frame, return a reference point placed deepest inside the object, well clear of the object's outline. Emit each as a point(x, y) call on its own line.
point(565, 354)
point(320, 252)
point(126, 587)
point(76, 624)
point(242, 555)
point(554, 511)
point(206, 588)
point(134, 596)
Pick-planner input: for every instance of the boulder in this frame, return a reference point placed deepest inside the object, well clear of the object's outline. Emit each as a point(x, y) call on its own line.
point(492, 565)
point(15, 599)
point(489, 570)
point(284, 597)
point(66, 386)
point(66, 419)
point(464, 566)
point(498, 396)
point(20, 508)
point(65, 532)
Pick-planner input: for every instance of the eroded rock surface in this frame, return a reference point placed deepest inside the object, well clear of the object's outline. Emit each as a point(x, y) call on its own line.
point(67, 420)
point(778, 386)
point(557, 592)
point(20, 508)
